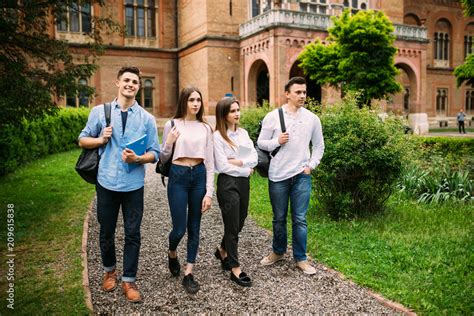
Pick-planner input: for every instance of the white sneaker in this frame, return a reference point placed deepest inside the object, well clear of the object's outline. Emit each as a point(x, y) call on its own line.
point(271, 259)
point(305, 267)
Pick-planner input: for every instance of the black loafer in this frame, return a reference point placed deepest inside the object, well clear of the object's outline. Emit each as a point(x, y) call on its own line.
point(174, 266)
point(224, 261)
point(242, 280)
point(191, 286)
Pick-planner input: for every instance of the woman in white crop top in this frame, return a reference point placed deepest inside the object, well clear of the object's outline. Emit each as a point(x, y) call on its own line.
point(191, 178)
point(234, 157)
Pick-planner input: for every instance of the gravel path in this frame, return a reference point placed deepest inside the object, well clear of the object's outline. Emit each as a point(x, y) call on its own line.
point(280, 288)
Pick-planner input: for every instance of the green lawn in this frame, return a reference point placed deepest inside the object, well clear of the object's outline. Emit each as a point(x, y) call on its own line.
point(419, 255)
point(50, 202)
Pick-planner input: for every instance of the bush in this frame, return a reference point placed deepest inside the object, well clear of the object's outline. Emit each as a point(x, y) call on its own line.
point(362, 160)
point(251, 117)
point(31, 140)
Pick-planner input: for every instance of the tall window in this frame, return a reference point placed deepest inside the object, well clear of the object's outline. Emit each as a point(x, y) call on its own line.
point(145, 95)
point(469, 101)
point(441, 46)
point(140, 18)
point(441, 101)
point(467, 45)
point(80, 99)
point(75, 18)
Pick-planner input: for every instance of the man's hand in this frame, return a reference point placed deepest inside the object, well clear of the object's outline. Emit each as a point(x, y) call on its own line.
point(283, 138)
point(106, 135)
point(206, 204)
point(129, 156)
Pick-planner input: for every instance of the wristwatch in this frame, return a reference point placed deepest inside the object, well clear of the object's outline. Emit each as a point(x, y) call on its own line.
point(138, 160)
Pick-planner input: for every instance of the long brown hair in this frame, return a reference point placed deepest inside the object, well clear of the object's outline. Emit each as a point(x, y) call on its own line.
point(182, 107)
point(222, 110)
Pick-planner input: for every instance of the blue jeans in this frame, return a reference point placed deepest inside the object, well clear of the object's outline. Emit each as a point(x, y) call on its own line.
point(186, 190)
point(108, 205)
point(297, 190)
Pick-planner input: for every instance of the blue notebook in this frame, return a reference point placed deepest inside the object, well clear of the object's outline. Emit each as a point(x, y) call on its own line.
point(139, 147)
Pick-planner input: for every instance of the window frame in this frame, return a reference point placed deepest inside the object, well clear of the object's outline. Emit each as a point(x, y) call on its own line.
point(64, 23)
point(141, 23)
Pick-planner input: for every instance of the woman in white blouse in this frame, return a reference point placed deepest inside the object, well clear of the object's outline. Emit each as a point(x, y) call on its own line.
point(191, 178)
point(234, 157)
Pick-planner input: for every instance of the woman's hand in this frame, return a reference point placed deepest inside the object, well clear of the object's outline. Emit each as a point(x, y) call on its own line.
point(206, 204)
point(307, 170)
point(172, 136)
point(235, 162)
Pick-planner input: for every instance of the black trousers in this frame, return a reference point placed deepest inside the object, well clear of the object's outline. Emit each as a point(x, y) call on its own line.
point(461, 125)
point(108, 206)
point(233, 198)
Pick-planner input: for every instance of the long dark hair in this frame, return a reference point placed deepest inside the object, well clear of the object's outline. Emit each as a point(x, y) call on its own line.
point(222, 110)
point(182, 107)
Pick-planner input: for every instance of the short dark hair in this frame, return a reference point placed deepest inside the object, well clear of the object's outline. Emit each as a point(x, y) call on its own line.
point(292, 81)
point(133, 70)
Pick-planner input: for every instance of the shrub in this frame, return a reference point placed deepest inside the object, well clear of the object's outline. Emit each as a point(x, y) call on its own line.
point(362, 160)
point(31, 140)
point(251, 117)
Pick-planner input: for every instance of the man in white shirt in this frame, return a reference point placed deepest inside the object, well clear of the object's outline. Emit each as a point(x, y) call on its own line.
point(289, 174)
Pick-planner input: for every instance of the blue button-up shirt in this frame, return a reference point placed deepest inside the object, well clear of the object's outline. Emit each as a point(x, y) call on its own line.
point(113, 174)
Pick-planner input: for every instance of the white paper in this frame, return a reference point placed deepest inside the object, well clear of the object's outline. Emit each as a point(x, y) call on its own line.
point(243, 152)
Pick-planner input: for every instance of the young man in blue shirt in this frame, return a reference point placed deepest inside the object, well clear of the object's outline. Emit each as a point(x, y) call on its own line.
point(117, 186)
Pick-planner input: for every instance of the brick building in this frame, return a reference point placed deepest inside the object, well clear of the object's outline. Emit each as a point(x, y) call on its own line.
point(249, 48)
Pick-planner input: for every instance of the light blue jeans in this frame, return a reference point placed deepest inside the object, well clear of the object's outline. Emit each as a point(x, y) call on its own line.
point(297, 190)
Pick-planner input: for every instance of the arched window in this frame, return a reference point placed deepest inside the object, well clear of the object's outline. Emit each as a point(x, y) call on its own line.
point(140, 18)
point(356, 5)
point(148, 92)
point(468, 40)
point(145, 94)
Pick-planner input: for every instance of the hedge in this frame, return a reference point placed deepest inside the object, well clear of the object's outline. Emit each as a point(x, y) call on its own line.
point(34, 139)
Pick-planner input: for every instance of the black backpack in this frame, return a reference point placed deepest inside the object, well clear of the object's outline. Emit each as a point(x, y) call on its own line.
point(164, 168)
point(264, 156)
point(87, 166)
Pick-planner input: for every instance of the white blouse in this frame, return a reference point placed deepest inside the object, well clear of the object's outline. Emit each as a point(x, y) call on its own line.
point(244, 151)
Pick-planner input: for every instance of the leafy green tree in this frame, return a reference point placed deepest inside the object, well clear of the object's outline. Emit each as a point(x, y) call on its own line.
point(465, 72)
point(35, 68)
point(359, 56)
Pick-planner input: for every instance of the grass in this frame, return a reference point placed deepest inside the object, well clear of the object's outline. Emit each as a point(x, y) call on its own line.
point(419, 255)
point(50, 202)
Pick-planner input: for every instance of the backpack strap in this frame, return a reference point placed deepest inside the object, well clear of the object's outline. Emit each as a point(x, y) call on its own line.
point(107, 110)
point(283, 129)
point(172, 153)
point(282, 120)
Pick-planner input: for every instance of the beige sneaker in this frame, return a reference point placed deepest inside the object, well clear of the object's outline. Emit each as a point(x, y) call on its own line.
point(305, 267)
point(271, 259)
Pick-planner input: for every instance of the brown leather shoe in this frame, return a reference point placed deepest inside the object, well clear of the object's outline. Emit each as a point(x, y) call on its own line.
point(110, 281)
point(131, 292)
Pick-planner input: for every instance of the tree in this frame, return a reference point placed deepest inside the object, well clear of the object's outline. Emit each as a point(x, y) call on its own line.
point(465, 72)
point(36, 69)
point(359, 56)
